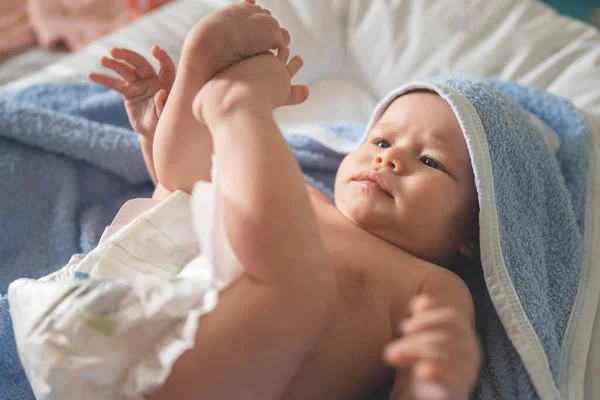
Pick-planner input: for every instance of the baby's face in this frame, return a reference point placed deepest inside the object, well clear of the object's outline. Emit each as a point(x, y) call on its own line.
point(411, 183)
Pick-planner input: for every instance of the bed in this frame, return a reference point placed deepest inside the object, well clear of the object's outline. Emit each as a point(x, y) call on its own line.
point(16, 66)
point(356, 51)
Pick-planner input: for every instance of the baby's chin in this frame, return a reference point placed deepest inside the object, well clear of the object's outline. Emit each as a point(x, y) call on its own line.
point(379, 225)
point(365, 215)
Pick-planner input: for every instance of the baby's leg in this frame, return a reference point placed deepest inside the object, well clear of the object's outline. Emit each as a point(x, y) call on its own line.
point(182, 145)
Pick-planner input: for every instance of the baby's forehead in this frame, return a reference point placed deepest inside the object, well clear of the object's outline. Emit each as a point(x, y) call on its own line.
point(422, 113)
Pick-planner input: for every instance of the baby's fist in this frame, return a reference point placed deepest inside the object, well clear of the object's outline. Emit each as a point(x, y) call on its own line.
point(441, 348)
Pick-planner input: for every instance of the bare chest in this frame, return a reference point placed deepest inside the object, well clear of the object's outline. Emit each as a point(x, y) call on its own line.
point(346, 362)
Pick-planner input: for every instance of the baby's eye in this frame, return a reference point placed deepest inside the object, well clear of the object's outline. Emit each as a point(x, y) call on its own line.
point(430, 162)
point(382, 143)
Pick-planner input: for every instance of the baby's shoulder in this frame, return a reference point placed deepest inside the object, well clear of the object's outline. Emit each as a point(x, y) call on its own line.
point(414, 276)
point(449, 289)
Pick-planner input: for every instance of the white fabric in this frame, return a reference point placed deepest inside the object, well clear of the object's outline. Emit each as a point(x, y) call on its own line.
point(22, 64)
point(111, 324)
point(356, 51)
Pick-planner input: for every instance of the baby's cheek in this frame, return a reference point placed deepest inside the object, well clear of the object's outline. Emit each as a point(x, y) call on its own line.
point(344, 170)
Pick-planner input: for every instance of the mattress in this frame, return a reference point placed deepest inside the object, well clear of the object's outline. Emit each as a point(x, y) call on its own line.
point(356, 51)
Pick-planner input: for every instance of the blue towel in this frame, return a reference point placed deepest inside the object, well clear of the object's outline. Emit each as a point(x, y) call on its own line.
point(535, 230)
point(534, 223)
point(69, 160)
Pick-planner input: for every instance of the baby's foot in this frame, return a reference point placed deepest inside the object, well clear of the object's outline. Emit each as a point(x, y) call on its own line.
point(231, 34)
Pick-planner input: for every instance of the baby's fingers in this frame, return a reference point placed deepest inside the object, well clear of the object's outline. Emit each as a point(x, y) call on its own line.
point(446, 317)
point(439, 381)
point(160, 99)
point(121, 68)
point(166, 73)
point(431, 345)
point(422, 303)
point(285, 39)
point(107, 81)
point(142, 67)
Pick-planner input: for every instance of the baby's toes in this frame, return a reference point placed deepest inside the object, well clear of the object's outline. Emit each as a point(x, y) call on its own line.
point(298, 95)
point(294, 65)
point(264, 10)
point(283, 54)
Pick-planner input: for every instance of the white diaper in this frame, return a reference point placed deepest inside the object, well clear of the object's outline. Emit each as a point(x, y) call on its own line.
point(111, 324)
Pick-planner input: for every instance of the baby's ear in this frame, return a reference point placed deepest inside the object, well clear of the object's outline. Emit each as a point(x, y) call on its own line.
point(470, 249)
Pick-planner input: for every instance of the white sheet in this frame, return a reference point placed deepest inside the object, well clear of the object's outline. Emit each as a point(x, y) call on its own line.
point(27, 62)
point(355, 51)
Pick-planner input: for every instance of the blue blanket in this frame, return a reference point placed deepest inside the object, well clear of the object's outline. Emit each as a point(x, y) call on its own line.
point(536, 229)
point(70, 161)
point(537, 285)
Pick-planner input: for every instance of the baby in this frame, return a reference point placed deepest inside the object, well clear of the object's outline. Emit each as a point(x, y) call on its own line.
point(325, 284)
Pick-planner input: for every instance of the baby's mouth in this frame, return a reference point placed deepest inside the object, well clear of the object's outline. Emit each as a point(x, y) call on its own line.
point(375, 181)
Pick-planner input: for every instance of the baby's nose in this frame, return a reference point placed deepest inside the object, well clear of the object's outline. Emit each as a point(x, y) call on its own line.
point(388, 158)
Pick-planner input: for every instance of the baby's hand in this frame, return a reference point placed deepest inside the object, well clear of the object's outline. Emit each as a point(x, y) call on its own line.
point(264, 80)
point(145, 93)
point(441, 348)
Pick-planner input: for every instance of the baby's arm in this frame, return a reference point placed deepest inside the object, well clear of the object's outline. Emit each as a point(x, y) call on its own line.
point(269, 218)
point(439, 355)
point(144, 92)
point(264, 325)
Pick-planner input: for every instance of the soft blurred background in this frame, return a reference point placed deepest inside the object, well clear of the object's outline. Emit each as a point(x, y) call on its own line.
point(586, 10)
point(58, 25)
point(62, 25)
